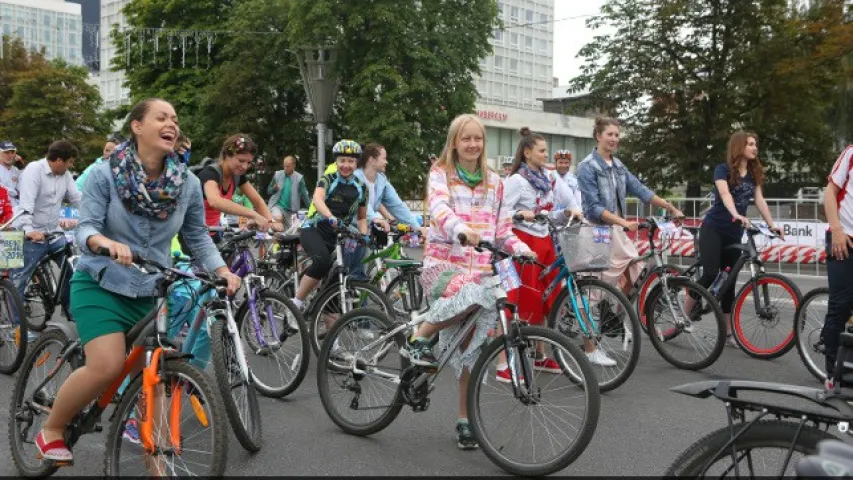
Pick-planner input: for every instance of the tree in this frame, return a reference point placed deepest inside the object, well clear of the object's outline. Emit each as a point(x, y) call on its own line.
point(53, 102)
point(684, 74)
point(15, 60)
point(406, 69)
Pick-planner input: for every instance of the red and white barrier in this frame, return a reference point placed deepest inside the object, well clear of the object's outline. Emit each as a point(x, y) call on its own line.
point(774, 253)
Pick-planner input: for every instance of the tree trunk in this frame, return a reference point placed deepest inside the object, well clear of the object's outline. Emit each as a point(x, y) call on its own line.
point(694, 190)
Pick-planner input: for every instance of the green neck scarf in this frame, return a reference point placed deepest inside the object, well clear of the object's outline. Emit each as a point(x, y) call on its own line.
point(470, 179)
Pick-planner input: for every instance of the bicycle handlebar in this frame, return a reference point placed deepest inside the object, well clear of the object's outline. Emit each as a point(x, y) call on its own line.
point(139, 260)
point(651, 222)
point(498, 253)
point(541, 218)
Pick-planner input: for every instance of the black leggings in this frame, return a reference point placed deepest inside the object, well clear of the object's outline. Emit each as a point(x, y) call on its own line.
point(319, 245)
point(714, 257)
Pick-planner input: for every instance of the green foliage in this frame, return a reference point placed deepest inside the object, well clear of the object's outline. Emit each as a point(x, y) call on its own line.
point(47, 102)
point(684, 74)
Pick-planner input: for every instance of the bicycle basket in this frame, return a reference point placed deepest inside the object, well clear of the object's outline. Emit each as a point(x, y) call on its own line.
point(586, 248)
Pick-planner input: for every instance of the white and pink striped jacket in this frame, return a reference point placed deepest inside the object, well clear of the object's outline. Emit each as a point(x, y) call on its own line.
point(453, 206)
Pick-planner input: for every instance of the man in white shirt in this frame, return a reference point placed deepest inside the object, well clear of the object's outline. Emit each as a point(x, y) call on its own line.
point(44, 185)
point(567, 193)
point(9, 173)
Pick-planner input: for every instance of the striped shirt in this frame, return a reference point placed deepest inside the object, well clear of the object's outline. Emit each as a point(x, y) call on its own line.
point(840, 176)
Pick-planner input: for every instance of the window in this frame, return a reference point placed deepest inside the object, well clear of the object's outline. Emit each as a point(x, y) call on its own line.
point(542, 44)
point(513, 15)
point(499, 36)
point(528, 43)
point(528, 68)
point(484, 62)
point(543, 18)
point(499, 62)
point(529, 16)
point(513, 91)
point(542, 71)
point(513, 39)
point(513, 65)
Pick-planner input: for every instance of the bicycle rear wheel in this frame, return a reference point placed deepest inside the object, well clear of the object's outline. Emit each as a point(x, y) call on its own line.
point(807, 329)
point(363, 402)
point(761, 451)
point(13, 336)
point(617, 323)
point(768, 332)
point(277, 351)
point(648, 285)
point(549, 427)
point(38, 295)
point(238, 393)
point(690, 341)
point(395, 292)
point(327, 310)
point(193, 406)
point(25, 418)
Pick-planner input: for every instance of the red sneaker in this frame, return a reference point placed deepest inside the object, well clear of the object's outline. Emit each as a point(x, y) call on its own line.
point(547, 365)
point(504, 376)
point(56, 450)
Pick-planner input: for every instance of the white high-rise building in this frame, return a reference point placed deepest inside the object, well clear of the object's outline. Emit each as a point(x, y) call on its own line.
point(112, 90)
point(521, 67)
point(54, 25)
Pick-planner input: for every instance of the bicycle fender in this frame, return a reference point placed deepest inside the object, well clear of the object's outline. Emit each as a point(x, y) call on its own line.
point(69, 329)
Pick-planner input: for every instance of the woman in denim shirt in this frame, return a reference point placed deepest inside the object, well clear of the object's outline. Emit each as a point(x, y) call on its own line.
point(108, 296)
point(604, 182)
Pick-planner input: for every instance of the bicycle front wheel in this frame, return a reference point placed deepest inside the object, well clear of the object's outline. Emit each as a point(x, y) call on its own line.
point(688, 340)
point(807, 329)
point(328, 309)
point(550, 422)
point(189, 430)
point(14, 328)
point(648, 285)
point(238, 394)
point(766, 330)
point(759, 452)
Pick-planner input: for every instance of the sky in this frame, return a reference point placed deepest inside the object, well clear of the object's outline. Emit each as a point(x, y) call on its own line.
point(571, 35)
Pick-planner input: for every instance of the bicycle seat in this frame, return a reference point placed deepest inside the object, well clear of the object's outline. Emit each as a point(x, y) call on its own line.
point(287, 239)
point(406, 263)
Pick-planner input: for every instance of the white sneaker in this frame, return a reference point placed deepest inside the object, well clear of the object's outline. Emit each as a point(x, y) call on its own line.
point(597, 357)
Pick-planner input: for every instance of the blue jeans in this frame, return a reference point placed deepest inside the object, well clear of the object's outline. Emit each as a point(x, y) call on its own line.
point(840, 276)
point(33, 253)
point(353, 263)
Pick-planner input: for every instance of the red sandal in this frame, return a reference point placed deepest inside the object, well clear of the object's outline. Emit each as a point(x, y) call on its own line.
point(56, 450)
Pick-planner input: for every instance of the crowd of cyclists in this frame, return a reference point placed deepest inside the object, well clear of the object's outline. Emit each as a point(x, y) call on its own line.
point(141, 198)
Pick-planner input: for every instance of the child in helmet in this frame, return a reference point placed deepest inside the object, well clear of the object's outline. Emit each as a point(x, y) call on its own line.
point(339, 197)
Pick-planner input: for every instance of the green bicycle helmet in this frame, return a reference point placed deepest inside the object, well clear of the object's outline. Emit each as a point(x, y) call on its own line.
point(346, 148)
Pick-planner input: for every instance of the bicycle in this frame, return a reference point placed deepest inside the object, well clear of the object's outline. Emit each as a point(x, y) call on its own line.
point(172, 400)
point(337, 294)
point(808, 325)
point(13, 336)
point(769, 312)
point(593, 311)
point(796, 429)
point(44, 289)
point(378, 270)
point(265, 321)
point(350, 364)
point(675, 329)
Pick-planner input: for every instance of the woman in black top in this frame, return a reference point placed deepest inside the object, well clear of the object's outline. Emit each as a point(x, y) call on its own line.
point(735, 183)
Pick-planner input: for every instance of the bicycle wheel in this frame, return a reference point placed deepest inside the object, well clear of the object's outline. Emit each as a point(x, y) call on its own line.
point(807, 328)
point(395, 292)
point(38, 301)
point(690, 341)
point(768, 332)
point(277, 348)
point(193, 406)
point(617, 323)
point(327, 310)
point(278, 282)
point(238, 394)
point(546, 431)
point(25, 419)
point(763, 447)
point(366, 402)
point(651, 281)
point(13, 337)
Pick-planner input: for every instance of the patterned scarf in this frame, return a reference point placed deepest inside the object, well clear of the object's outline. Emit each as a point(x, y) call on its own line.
point(470, 179)
point(537, 179)
point(156, 199)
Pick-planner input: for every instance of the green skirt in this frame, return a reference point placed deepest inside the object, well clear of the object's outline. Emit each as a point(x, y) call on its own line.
point(98, 312)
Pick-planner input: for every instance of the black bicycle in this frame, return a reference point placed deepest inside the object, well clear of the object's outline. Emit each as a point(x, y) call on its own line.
point(45, 291)
point(764, 307)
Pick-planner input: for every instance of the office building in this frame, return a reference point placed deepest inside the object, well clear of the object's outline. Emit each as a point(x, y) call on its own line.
point(91, 10)
point(53, 25)
point(112, 90)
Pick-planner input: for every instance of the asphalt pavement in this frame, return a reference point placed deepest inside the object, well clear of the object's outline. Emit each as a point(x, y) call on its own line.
point(642, 428)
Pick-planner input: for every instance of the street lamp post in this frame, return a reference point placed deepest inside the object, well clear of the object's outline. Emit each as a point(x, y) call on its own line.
point(317, 67)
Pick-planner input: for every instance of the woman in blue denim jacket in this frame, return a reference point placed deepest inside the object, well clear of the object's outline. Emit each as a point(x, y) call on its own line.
point(604, 182)
point(135, 203)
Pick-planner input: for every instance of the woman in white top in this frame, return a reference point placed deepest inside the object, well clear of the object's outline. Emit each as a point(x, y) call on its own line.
point(529, 191)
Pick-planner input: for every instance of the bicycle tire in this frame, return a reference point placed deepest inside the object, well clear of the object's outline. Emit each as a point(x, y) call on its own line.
point(325, 364)
point(604, 385)
point(34, 323)
point(646, 288)
point(480, 375)
point(277, 282)
point(694, 290)
point(285, 389)
point(399, 282)
point(248, 431)
point(805, 339)
point(21, 334)
point(737, 326)
point(201, 383)
point(331, 294)
point(762, 434)
point(46, 468)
